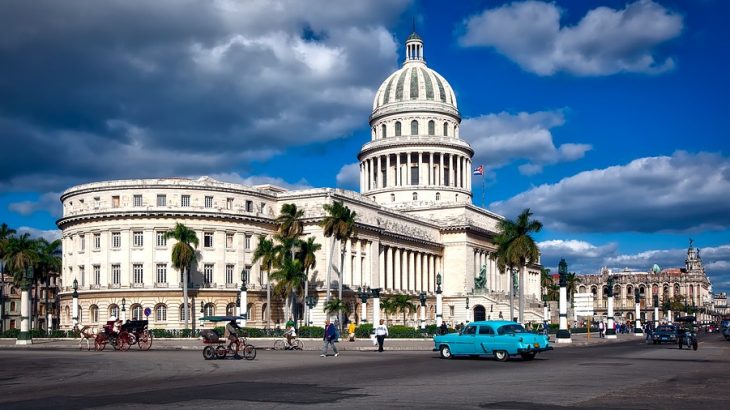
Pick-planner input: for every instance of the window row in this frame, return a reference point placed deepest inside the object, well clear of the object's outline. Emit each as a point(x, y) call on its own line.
point(397, 129)
point(160, 240)
point(160, 274)
point(138, 200)
point(136, 312)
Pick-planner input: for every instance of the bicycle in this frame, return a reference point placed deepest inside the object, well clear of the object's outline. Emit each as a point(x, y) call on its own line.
point(282, 344)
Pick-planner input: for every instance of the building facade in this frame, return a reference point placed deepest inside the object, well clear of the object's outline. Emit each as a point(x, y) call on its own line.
point(415, 220)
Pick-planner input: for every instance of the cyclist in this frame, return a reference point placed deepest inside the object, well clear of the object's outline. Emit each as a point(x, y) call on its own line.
point(232, 335)
point(291, 334)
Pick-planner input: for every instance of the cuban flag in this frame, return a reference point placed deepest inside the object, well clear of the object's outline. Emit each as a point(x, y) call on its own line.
point(479, 170)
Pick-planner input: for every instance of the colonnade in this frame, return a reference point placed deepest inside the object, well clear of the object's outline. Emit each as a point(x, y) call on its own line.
point(495, 282)
point(403, 269)
point(358, 270)
point(439, 169)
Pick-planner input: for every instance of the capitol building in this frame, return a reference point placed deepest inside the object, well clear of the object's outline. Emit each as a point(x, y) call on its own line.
point(415, 220)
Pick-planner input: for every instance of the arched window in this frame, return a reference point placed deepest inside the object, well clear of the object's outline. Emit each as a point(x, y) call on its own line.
point(113, 310)
point(446, 129)
point(392, 197)
point(383, 132)
point(94, 313)
point(582, 289)
point(438, 196)
point(415, 196)
point(594, 291)
point(431, 128)
point(397, 129)
point(456, 198)
point(209, 309)
point(605, 292)
point(414, 127)
point(12, 306)
point(161, 313)
point(182, 314)
point(13, 290)
point(231, 309)
point(629, 292)
point(617, 291)
point(251, 311)
point(136, 312)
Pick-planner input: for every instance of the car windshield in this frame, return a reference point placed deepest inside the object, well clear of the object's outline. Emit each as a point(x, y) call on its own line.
point(511, 329)
point(665, 329)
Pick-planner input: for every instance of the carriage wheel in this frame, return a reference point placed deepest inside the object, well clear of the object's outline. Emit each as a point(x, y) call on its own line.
point(114, 341)
point(298, 345)
point(145, 340)
point(208, 353)
point(99, 343)
point(249, 352)
point(123, 341)
point(279, 345)
point(221, 352)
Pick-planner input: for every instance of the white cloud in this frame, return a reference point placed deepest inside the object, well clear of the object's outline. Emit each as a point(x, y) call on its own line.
point(682, 193)
point(349, 176)
point(605, 41)
point(499, 139)
point(48, 202)
point(49, 234)
point(260, 180)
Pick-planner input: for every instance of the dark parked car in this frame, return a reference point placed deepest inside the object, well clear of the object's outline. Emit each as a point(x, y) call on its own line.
point(665, 334)
point(725, 326)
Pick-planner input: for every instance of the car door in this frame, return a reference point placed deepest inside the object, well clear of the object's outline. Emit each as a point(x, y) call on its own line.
point(465, 342)
point(486, 340)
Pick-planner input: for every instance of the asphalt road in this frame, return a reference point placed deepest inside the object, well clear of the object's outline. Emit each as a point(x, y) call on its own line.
point(626, 374)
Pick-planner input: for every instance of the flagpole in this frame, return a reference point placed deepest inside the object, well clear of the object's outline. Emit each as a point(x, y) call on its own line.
point(484, 194)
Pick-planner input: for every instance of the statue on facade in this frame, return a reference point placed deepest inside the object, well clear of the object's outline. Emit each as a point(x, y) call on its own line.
point(480, 282)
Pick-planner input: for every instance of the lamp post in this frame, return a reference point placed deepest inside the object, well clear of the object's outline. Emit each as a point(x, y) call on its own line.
point(656, 310)
point(364, 295)
point(468, 311)
point(75, 305)
point(243, 298)
point(638, 331)
point(376, 305)
point(422, 298)
point(439, 301)
point(563, 335)
point(124, 310)
point(610, 327)
point(310, 301)
point(24, 337)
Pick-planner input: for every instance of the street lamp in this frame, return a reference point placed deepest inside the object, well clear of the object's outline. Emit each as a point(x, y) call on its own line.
point(243, 297)
point(468, 316)
point(563, 335)
point(124, 310)
point(422, 299)
point(364, 295)
point(310, 301)
point(439, 301)
point(24, 337)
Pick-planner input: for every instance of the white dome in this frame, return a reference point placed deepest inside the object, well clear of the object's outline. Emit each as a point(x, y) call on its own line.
point(414, 82)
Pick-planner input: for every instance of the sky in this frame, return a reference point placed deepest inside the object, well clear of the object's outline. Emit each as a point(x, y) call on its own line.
point(605, 118)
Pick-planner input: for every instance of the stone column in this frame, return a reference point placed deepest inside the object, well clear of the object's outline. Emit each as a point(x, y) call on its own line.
point(389, 269)
point(376, 305)
point(638, 331)
point(430, 169)
point(563, 333)
point(363, 311)
point(24, 337)
point(610, 332)
point(243, 307)
point(670, 319)
point(439, 306)
point(398, 181)
point(388, 178)
point(423, 316)
point(347, 266)
point(420, 168)
point(408, 169)
point(441, 169)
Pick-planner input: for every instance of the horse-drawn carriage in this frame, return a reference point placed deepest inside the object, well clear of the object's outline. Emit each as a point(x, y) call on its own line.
point(128, 334)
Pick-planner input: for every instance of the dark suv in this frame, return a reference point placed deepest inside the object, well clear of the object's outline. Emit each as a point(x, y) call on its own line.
point(725, 329)
point(665, 334)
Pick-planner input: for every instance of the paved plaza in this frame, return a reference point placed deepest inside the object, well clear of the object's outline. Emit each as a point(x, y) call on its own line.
point(625, 373)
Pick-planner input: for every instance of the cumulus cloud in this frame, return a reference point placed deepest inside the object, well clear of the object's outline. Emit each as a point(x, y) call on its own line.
point(605, 41)
point(499, 139)
point(48, 202)
point(132, 89)
point(349, 176)
point(260, 180)
point(49, 234)
point(684, 192)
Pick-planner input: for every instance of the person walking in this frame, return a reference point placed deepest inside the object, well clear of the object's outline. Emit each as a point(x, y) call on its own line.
point(330, 337)
point(351, 331)
point(381, 331)
point(600, 329)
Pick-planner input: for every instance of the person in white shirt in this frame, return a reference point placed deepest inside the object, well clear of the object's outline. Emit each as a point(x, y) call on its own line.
point(290, 334)
point(381, 331)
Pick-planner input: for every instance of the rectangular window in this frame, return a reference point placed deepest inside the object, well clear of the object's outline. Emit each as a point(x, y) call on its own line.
point(208, 273)
point(82, 242)
point(97, 202)
point(247, 273)
point(185, 200)
point(247, 244)
point(229, 203)
point(97, 275)
point(137, 200)
point(229, 241)
point(161, 273)
point(116, 274)
point(208, 240)
point(137, 239)
point(161, 200)
point(115, 201)
point(249, 206)
point(229, 273)
point(116, 240)
point(208, 201)
point(161, 239)
point(414, 175)
point(97, 241)
point(82, 275)
point(137, 273)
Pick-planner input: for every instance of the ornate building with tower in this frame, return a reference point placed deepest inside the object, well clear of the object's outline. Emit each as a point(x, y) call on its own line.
point(415, 222)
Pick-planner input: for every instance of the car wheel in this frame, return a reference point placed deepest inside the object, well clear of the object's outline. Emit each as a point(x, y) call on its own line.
point(445, 352)
point(501, 355)
point(528, 356)
point(694, 345)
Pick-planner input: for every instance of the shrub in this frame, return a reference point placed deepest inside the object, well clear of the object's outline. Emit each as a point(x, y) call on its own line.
point(399, 331)
point(311, 331)
point(364, 330)
point(11, 333)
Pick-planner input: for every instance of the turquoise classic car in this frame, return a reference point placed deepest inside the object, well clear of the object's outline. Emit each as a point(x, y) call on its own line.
point(498, 338)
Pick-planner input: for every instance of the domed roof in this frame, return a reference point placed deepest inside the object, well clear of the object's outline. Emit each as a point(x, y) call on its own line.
point(415, 81)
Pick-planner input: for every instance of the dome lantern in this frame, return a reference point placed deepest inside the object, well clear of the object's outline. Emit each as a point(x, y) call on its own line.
point(414, 48)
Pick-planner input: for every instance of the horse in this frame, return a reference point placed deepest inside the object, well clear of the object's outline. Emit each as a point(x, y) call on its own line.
point(88, 334)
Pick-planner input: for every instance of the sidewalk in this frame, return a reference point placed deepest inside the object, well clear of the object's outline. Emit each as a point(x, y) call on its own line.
point(578, 340)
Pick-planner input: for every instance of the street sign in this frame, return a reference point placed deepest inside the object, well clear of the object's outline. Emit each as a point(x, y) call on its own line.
point(147, 312)
point(583, 304)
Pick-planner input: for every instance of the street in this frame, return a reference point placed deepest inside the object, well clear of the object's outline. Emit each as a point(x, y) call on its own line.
point(624, 374)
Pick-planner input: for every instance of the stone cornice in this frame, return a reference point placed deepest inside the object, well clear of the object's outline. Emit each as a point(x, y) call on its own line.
point(419, 142)
point(414, 107)
point(65, 222)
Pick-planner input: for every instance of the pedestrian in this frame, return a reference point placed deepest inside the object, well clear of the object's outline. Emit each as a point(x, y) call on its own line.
point(601, 328)
point(330, 336)
point(381, 331)
point(351, 331)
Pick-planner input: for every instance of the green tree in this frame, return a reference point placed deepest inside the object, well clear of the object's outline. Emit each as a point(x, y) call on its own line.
point(307, 255)
point(5, 234)
point(571, 285)
point(520, 247)
point(387, 306)
point(266, 253)
point(403, 304)
point(547, 284)
point(183, 257)
point(48, 265)
point(289, 221)
point(290, 278)
point(338, 224)
point(21, 254)
point(336, 306)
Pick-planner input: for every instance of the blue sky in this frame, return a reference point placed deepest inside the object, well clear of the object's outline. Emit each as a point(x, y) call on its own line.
point(603, 117)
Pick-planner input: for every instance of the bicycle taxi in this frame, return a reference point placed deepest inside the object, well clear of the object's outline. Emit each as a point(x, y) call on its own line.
point(218, 346)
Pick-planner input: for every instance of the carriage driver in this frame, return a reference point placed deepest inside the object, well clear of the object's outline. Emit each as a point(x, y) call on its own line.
point(232, 334)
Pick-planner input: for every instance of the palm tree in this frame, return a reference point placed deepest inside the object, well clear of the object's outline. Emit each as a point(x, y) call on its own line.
point(307, 256)
point(571, 283)
point(49, 263)
point(5, 234)
point(183, 256)
point(266, 253)
point(336, 306)
point(546, 281)
point(289, 220)
point(21, 254)
point(339, 224)
point(505, 264)
point(401, 303)
point(387, 305)
point(521, 247)
point(290, 279)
